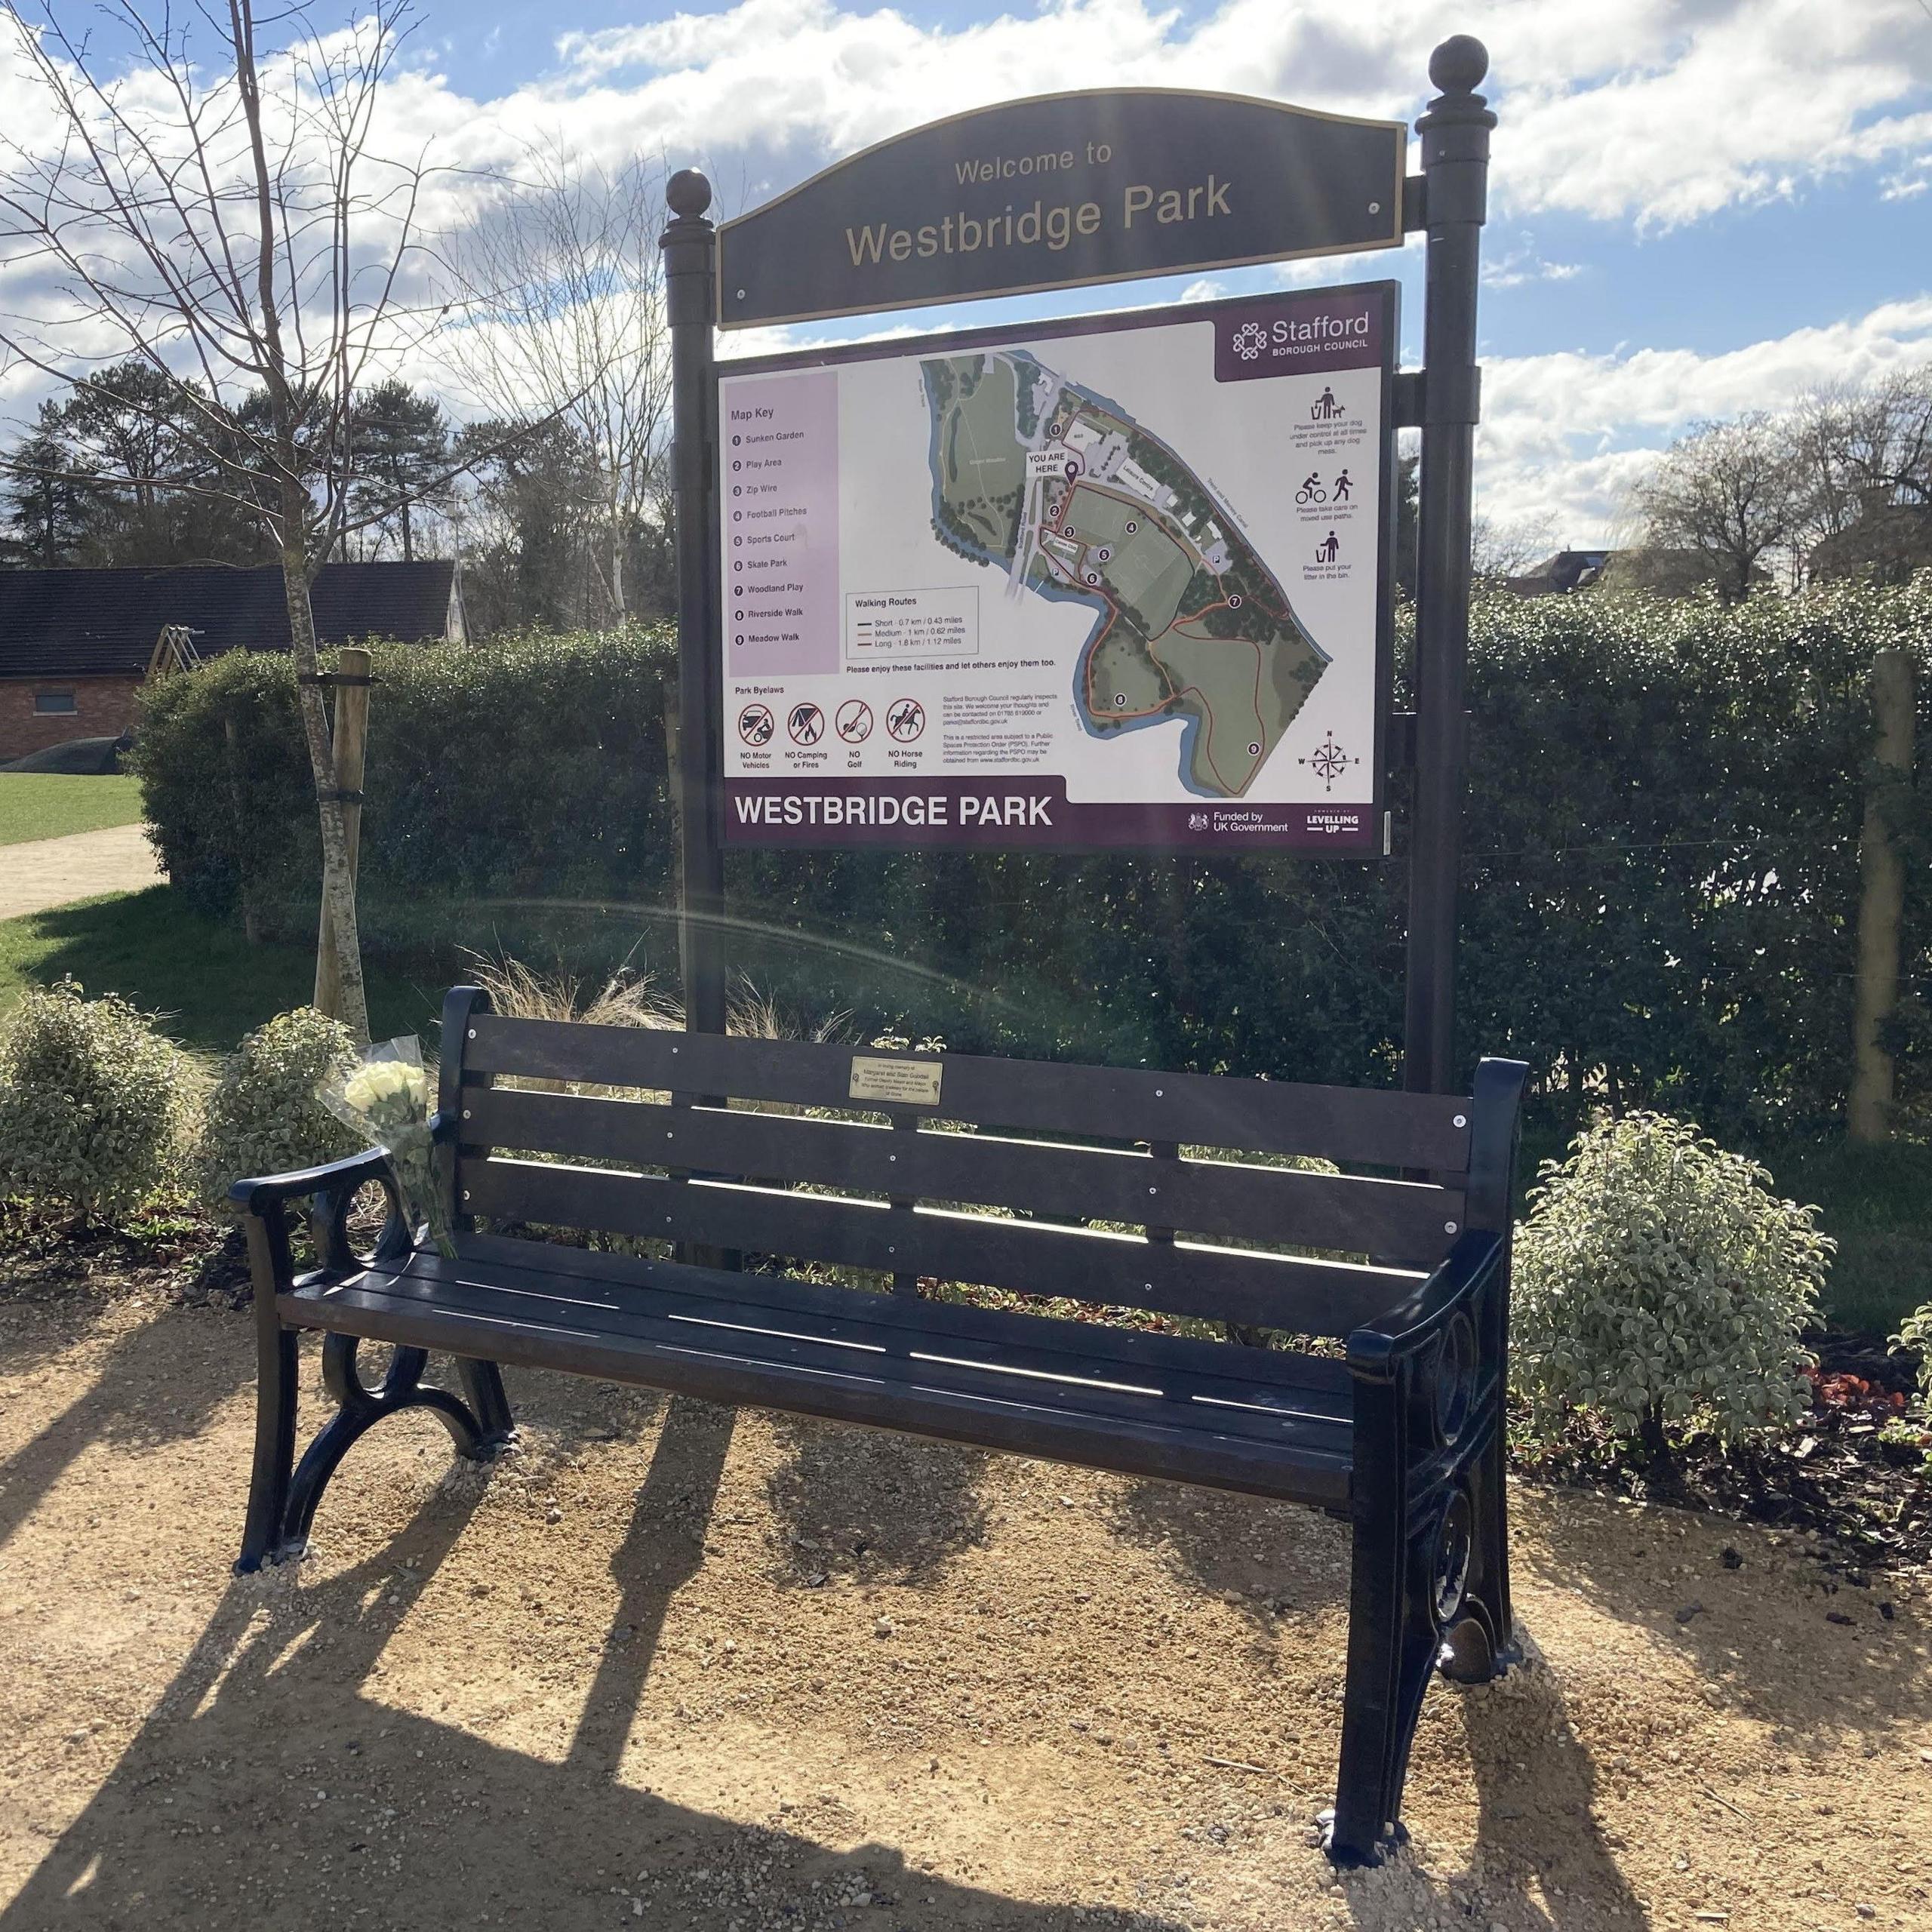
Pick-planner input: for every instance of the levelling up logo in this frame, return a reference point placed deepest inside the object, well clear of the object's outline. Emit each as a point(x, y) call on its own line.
point(1294, 335)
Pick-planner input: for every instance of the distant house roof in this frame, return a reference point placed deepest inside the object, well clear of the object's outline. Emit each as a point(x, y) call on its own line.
point(78, 623)
point(1887, 541)
point(1558, 576)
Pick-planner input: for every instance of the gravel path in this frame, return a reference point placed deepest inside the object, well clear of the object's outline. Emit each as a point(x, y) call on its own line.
point(672, 1668)
point(46, 872)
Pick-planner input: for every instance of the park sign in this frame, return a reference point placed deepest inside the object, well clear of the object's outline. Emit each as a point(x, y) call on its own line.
point(1060, 190)
point(1122, 582)
point(1251, 439)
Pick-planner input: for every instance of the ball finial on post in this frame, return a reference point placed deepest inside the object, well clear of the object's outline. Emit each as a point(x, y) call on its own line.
point(1458, 65)
point(688, 193)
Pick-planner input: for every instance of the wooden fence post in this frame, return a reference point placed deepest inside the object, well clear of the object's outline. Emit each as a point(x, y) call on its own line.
point(1880, 902)
point(351, 740)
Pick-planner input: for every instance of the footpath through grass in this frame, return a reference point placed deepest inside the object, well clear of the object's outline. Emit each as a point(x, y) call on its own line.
point(209, 985)
point(48, 804)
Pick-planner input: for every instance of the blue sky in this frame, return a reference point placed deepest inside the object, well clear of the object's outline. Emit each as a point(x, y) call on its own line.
point(1699, 206)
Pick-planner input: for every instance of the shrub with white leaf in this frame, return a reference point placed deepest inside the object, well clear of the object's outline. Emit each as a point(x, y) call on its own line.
point(90, 1103)
point(263, 1116)
point(1660, 1281)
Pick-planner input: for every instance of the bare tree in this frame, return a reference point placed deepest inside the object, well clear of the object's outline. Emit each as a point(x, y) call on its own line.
point(563, 320)
point(1725, 498)
point(1500, 551)
point(211, 207)
point(1866, 451)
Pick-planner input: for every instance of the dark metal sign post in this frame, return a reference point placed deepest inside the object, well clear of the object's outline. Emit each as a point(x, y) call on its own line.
point(1455, 172)
point(691, 257)
point(1072, 189)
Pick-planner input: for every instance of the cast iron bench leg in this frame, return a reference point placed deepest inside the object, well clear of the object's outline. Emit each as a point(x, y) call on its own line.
point(276, 1394)
point(275, 1447)
point(1394, 1642)
point(358, 1409)
point(1482, 1646)
point(483, 1389)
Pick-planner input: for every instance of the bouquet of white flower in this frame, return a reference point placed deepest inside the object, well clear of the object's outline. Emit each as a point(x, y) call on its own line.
point(385, 1098)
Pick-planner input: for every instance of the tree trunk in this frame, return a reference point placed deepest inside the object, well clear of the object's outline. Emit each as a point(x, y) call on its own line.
point(1660, 1470)
point(338, 883)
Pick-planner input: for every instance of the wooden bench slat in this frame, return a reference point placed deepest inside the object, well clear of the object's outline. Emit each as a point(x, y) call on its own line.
point(1364, 1126)
point(1311, 1297)
point(1267, 1378)
point(1095, 1386)
point(1389, 1221)
point(1171, 1440)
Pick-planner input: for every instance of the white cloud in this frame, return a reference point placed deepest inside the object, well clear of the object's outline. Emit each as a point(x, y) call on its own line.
point(1647, 113)
point(1658, 111)
point(1564, 436)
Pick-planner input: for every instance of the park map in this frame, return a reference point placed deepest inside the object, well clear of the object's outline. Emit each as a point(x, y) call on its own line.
point(1076, 501)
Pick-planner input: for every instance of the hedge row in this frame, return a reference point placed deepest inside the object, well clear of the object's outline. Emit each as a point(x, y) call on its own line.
point(534, 766)
point(1661, 874)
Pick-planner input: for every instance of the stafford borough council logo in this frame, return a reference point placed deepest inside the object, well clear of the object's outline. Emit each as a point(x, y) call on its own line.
point(1251, 339)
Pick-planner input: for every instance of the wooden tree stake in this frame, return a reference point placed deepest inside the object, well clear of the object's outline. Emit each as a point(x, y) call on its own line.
point(1881, 903)
point(350, 737)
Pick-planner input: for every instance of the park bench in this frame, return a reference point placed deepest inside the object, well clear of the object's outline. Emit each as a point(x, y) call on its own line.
point(747, 1157)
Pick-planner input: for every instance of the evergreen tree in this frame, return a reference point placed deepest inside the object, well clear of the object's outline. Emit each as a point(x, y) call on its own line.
point(400, 454)
point(49, 507)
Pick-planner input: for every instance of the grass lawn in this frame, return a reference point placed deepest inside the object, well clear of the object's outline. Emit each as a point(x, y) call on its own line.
point(48, 804)
point(207, 983)
point(1877, 1203)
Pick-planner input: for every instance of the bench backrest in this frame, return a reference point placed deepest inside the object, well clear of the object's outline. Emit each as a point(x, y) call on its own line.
point(851, 1157)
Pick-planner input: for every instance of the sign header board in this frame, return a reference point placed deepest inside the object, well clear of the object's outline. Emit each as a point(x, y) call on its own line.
point(1118, 582)
point(1062, 190)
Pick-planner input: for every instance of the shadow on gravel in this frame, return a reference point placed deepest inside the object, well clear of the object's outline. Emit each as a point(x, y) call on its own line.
point(1536, 1789)
point(1815, 1648)
point(149, 1390)
point(1266, 1558)
point(662, 1551)
point(266, 1789)
point(857, 1501)
point(39, 1322)
point(1541, 1859)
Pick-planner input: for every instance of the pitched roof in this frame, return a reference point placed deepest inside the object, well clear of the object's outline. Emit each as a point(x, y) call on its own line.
point(78, 623)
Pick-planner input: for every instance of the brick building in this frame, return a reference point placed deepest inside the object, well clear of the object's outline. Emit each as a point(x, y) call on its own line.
point(75, 644)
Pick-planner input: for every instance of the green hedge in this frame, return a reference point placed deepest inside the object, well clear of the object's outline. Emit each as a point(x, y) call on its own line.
point(536, 766)
point(1661, 871)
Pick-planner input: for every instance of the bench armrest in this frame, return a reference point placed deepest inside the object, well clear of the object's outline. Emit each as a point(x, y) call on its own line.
point(256, 1197)
point(333, 1185)
point(1375, 1349)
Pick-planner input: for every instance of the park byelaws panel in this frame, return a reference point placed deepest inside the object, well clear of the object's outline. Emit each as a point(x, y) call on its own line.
point(1120, 582)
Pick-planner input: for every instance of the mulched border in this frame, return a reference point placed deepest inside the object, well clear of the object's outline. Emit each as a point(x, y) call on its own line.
point(1854, 1471)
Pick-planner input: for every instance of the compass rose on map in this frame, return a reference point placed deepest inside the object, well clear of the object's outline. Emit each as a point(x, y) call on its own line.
point(1328, 761)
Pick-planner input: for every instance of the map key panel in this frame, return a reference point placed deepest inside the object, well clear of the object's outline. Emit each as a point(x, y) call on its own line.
point(1120, 583)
